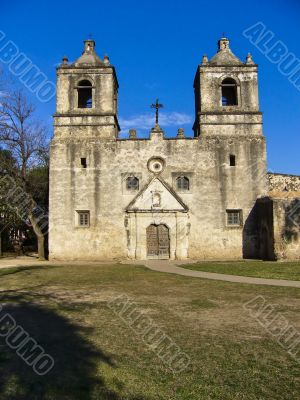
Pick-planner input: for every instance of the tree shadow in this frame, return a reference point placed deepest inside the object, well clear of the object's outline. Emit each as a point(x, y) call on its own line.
point(75, 374)
point(15, 270)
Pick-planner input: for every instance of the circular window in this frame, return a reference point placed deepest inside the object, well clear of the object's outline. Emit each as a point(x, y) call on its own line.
point(156, 165)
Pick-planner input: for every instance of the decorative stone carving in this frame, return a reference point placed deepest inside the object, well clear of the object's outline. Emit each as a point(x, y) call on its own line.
point(156, 199)
point(223, 44)
point(65, 60)
point(249, 59)
point(132, 134)
point(204, 59)
point(180, 133)
point(157, 133)
point(156, 165)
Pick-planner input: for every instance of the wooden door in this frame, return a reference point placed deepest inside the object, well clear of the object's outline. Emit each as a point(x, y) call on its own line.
point(163, 241)
point(152, 241)
point(158, 241)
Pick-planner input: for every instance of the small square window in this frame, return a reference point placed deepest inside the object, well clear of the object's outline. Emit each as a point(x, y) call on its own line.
point(132, 183)
point(83, 218)
point(234, 217)
point(183, 183)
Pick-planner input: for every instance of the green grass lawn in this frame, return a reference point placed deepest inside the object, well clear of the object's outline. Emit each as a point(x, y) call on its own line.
point(97, 356)
point(257, 269)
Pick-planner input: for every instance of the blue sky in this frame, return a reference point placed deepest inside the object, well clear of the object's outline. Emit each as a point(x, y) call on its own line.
point(156, 47)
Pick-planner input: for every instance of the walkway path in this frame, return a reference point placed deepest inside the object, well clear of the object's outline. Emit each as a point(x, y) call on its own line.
point(170, 267)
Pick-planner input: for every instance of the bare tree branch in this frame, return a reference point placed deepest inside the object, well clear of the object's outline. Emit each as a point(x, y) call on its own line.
point(26, 139)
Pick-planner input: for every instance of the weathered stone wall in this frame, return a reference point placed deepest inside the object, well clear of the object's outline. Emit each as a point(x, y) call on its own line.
point(279, 225)
point(287, 228)
point(283, 182)
point(215, 187)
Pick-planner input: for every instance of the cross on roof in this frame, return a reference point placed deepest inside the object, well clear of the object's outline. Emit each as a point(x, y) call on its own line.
point(157, 106)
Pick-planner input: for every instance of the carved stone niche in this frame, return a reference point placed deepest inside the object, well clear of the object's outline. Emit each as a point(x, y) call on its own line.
point(156, 199)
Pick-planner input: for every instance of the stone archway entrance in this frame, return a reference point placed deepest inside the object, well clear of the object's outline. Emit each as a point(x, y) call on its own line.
point(158, 241)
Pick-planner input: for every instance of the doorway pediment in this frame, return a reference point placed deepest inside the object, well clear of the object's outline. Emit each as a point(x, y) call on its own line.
point(157, 196)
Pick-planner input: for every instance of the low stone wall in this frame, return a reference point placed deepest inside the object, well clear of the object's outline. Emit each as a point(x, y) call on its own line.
point(283, 182)
point(286, 213)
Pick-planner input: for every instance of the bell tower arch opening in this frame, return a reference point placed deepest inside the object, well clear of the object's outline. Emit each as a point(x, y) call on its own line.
point(85, 94)
point(229, 92)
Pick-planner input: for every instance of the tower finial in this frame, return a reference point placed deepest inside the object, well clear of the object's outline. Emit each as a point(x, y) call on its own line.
point(204, 59)
point(106, 59)
point(223, 43)
point(249, 59)
point(65, 60)
point(89, 45)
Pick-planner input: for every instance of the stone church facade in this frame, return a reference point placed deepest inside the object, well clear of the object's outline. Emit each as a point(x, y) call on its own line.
point(206, 197)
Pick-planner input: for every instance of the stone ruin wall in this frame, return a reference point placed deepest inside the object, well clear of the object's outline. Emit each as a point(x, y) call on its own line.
point(283, 183)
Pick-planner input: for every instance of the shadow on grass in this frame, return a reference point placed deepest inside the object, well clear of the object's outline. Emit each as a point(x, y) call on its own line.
point(76, 373)
point(15, 270)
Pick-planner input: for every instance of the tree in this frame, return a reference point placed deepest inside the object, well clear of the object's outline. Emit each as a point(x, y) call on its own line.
point(25, 138)
point(8, 216)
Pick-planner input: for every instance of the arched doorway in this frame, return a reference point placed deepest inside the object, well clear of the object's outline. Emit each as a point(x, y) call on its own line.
point(158, 241)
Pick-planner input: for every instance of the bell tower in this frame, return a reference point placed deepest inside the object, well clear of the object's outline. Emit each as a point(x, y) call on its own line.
point(87, 97)
point(226, 95)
